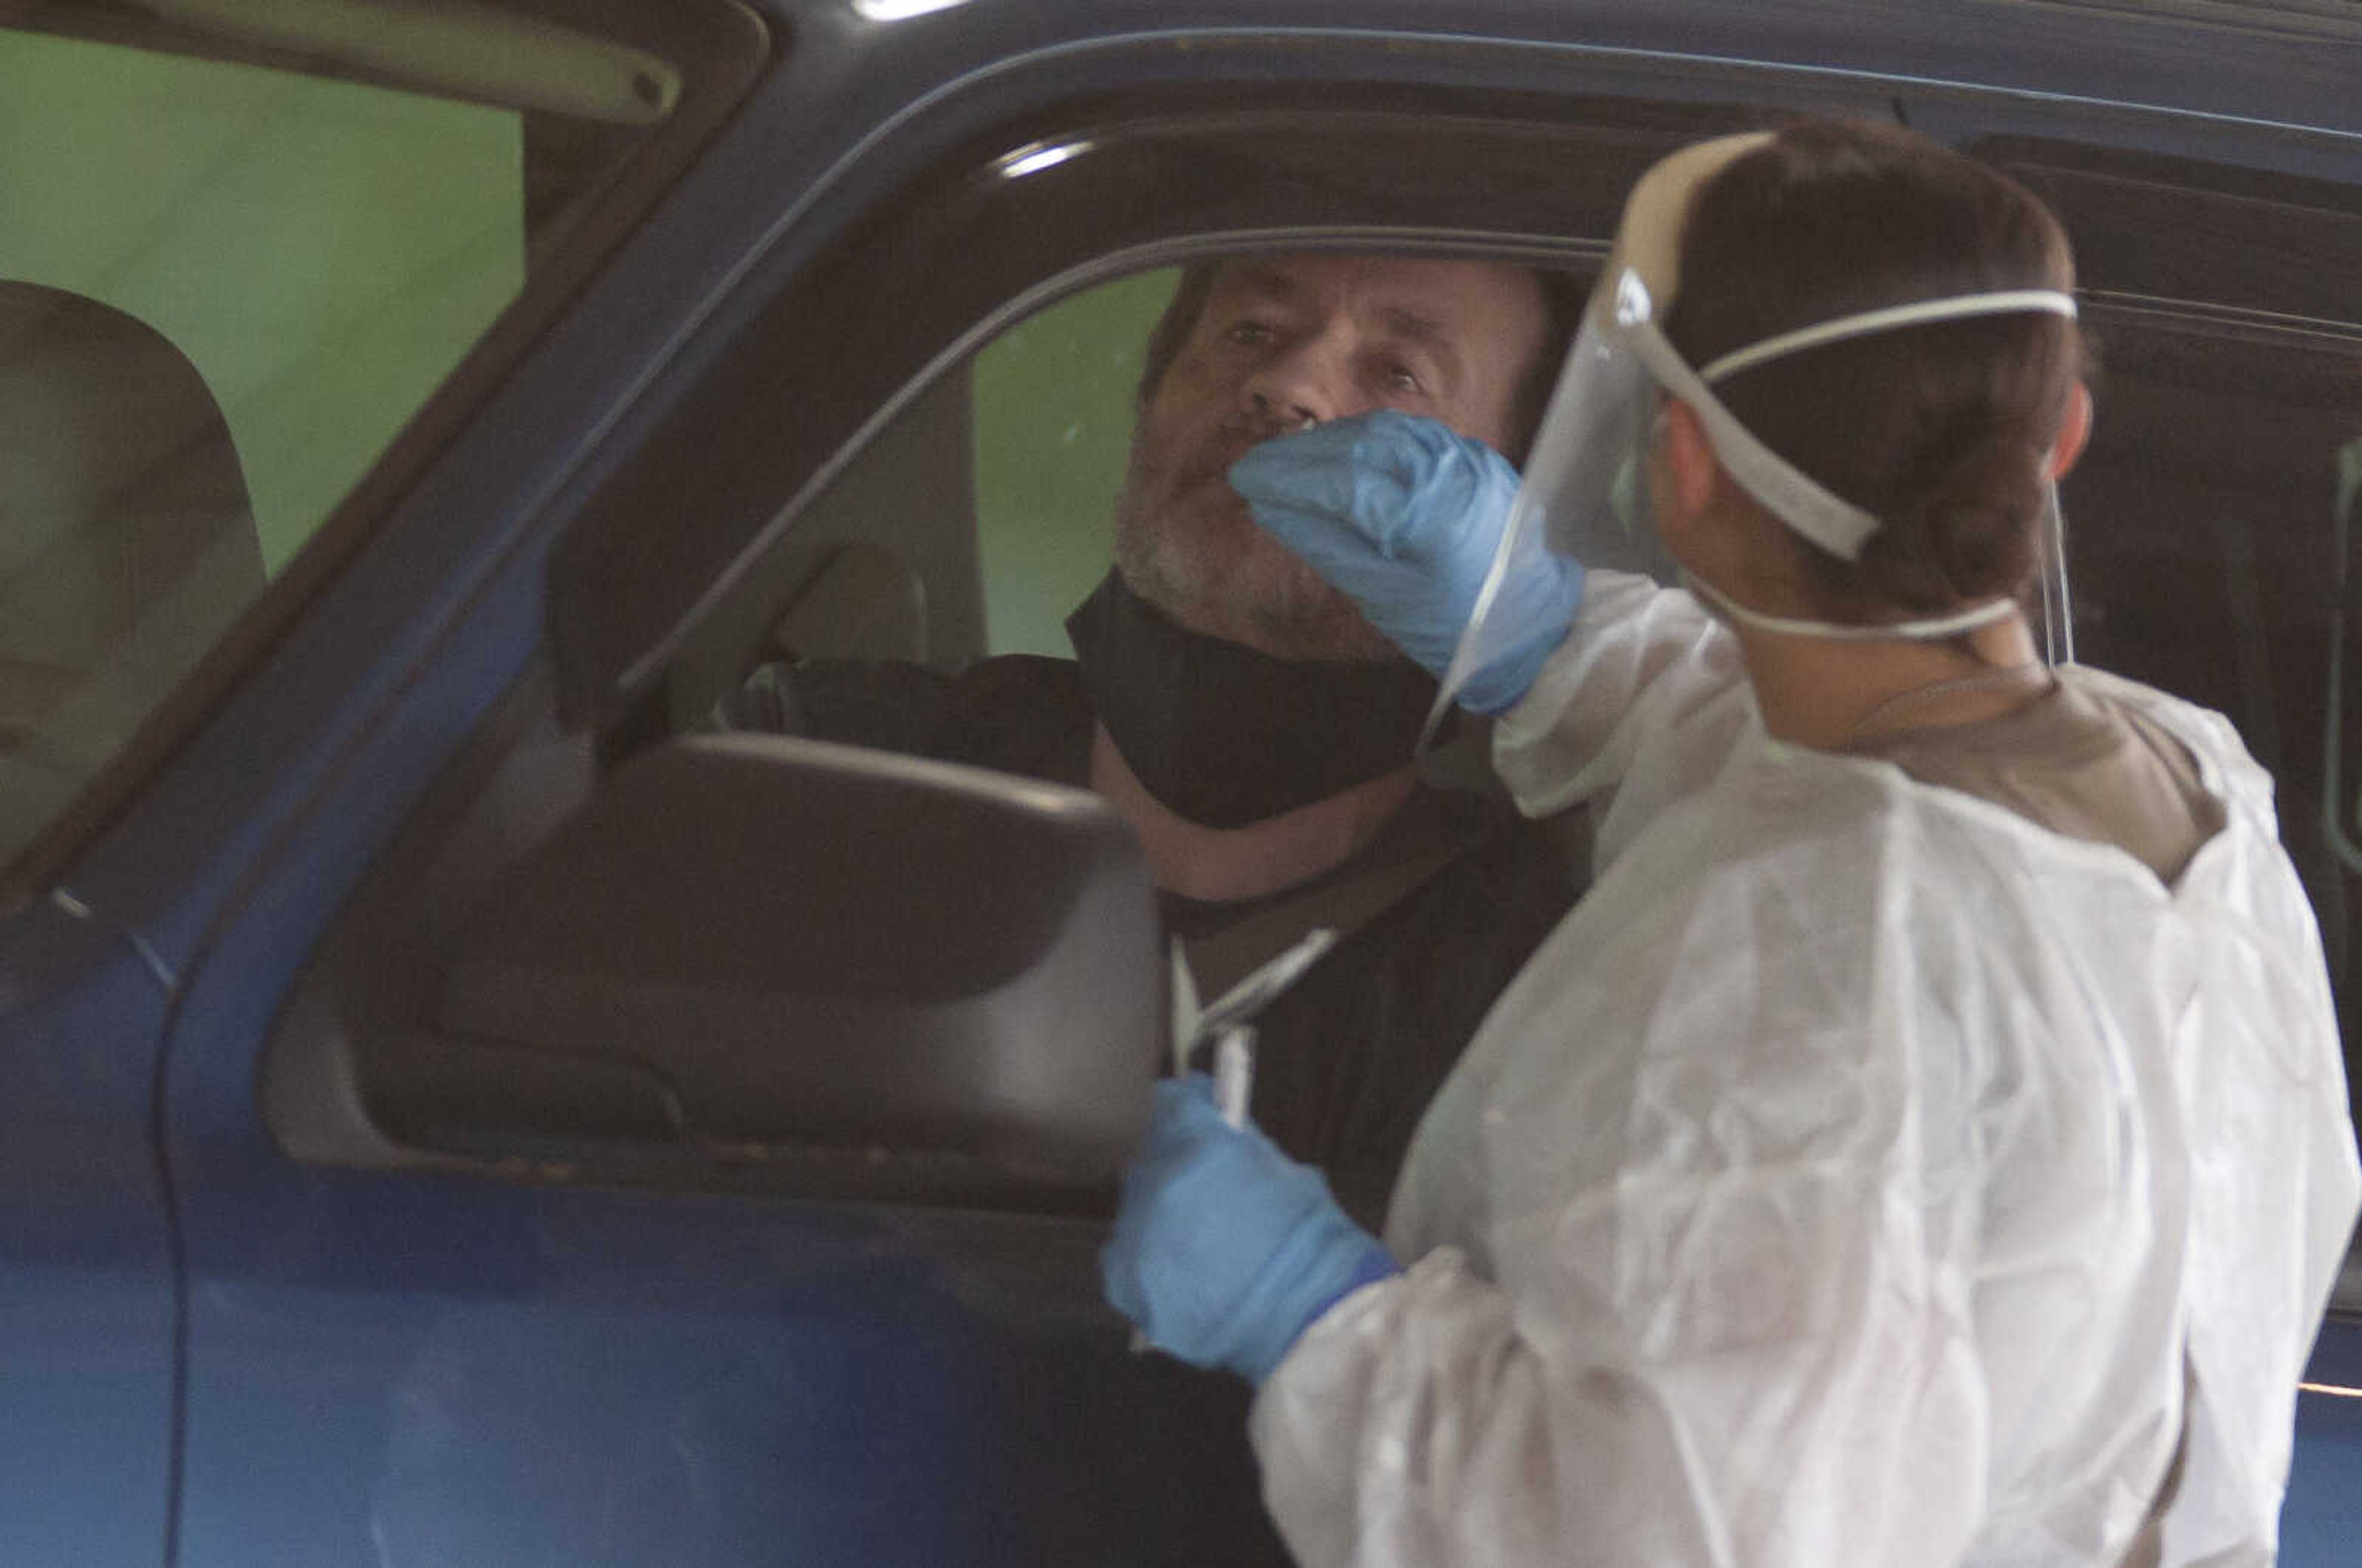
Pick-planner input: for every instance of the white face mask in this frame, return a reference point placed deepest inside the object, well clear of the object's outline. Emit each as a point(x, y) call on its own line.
point(1934, 628)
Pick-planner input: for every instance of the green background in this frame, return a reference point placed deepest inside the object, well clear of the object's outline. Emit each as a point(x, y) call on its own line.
point(322, 253)
point(1052, 419)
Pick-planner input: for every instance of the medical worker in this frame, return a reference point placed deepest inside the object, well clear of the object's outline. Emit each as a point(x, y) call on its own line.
point(1927, 1143)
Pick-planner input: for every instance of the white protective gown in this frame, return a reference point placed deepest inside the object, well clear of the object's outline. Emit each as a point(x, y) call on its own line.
point(1859, 1174)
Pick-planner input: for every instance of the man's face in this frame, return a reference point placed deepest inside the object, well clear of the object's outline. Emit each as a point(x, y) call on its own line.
point(1282, 339)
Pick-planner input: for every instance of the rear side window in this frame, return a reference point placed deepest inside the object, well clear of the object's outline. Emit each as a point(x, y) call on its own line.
point(234, 264)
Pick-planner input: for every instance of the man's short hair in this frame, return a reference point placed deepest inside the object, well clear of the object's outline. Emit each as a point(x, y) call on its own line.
point(1562, 298)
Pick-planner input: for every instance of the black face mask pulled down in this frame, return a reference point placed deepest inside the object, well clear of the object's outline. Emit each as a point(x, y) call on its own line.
point(1225, 736)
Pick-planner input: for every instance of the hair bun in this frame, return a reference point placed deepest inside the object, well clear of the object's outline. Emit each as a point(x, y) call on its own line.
point(1976, 518)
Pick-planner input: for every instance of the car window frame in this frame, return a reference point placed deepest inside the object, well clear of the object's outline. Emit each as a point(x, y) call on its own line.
point(625, 597)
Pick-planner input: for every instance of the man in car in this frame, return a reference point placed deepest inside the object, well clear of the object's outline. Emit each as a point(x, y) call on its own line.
point(1244, 718)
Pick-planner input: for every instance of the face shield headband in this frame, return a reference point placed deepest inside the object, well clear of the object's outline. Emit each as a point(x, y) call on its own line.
point(1790, 494)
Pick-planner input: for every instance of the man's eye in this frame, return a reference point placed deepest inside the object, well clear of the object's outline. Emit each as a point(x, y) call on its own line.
point(1251, 333)
point(1403, 378)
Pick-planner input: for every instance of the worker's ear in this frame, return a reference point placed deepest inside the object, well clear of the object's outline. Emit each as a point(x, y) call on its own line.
point(1686, 472)
point(2074, 432)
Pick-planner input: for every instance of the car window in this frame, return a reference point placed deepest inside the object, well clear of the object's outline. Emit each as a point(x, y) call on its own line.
point(233, 266)
point(970, 525)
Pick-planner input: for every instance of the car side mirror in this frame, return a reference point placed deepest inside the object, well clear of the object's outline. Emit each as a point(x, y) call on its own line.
point(813, 968)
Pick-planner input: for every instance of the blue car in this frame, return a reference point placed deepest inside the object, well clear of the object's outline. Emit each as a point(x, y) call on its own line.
point(456, 1110)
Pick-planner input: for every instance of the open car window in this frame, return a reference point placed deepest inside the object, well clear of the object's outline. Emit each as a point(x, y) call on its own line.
point(972, 525)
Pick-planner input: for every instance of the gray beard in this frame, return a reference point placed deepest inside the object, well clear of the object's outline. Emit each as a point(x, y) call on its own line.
point(1268, 600)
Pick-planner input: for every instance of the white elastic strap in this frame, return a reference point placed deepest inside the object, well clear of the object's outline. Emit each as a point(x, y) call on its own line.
point(1934, 629)
point(2057, 601)
point(2004, 301)
point(1828, 520)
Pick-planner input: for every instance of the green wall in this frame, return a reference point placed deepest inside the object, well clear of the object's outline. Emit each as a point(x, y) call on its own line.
point(1054, 407)
point(322, 253)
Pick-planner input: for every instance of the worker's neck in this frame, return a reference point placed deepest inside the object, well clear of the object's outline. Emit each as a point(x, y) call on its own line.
point(1827, 693)
point(1219, 864)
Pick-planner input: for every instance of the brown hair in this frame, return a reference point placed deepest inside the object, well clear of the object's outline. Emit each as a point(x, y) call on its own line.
point(1563, 296)
point(1942, 430)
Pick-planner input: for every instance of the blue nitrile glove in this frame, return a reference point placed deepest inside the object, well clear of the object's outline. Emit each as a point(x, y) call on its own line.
point(1225, 1250)
point(1404, 514)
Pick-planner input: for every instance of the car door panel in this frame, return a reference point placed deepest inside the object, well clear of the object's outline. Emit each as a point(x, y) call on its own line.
point(89, 1312)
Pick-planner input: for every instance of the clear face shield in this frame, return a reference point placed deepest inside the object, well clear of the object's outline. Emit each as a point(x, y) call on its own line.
point(1586, 490)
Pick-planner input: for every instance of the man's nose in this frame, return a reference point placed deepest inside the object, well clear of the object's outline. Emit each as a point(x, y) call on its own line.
point(1310, 382)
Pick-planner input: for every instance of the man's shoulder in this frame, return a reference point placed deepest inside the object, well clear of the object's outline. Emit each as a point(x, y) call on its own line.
point(1017, 712)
